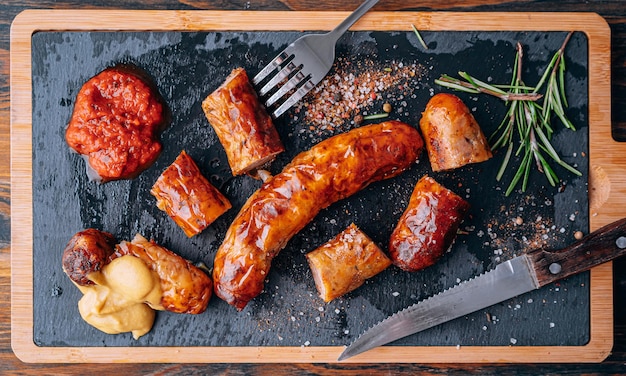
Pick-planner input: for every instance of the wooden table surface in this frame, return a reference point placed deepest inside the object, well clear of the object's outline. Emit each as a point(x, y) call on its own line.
point(613, 11)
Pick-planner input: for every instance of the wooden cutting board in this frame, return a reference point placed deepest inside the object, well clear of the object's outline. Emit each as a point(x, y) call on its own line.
point(606, 182)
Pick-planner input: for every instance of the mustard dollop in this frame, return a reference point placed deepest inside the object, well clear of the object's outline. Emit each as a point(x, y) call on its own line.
point(122, 297)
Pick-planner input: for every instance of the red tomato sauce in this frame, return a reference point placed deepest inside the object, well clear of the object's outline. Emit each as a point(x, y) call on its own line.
point(115, 124)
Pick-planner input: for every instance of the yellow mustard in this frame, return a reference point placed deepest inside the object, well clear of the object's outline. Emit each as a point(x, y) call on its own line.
point(122, 297)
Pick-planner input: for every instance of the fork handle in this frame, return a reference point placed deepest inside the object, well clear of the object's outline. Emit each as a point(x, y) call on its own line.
point(351, 19)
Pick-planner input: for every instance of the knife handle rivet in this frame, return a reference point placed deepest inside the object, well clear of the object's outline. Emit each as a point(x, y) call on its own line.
point(555, 268)
point(621, 242)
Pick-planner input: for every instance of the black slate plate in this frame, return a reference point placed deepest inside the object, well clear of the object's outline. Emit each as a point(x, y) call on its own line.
point(188, 66)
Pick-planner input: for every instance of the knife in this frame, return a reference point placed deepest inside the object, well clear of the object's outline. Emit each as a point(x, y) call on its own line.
point(509, 279)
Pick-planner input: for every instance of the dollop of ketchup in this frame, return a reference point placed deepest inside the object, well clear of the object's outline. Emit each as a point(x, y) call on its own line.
point(118, 116)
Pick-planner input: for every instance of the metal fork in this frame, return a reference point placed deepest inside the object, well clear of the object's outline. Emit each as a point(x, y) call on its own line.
point(304, 63)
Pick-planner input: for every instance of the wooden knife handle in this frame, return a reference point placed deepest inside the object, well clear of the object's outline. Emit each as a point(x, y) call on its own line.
point(602, 245)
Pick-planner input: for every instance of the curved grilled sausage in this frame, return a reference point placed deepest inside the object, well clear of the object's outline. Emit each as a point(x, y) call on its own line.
point(427, 227)
point(453, 137)
point(331, 170)
point(86, 252)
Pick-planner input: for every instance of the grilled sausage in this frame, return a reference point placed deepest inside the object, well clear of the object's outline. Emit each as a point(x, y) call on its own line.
point(428, 226)
point(242, 124)
point(86, 252)
point(344, 263)
point(186, 288)
point(331, 170)
point(452, 136)
point(188, 197)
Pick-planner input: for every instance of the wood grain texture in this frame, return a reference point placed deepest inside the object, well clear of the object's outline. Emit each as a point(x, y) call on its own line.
point(613, 12)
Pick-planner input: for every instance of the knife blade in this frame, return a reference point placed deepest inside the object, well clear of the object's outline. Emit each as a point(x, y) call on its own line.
point(507, 280)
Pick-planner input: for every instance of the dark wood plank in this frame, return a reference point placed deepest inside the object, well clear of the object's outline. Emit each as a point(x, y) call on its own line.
point(613, 11)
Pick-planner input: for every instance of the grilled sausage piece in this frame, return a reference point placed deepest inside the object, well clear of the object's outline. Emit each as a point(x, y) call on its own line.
point(453, 137)
point(188, 197)
point(86, 252)
point(344, 263)
point(428, 226)
point(186, 288)
point(242, 124)
point(331, 170)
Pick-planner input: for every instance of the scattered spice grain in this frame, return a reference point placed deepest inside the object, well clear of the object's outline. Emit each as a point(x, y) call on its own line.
point(356, 85)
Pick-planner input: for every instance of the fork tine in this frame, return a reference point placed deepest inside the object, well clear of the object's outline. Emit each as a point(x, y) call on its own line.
point(292, 83)
point(270, 67)
point(281, 75)
point(294, 98)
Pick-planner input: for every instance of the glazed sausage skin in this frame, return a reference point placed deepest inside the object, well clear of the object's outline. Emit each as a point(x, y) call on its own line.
point(330, 171)
point(452, 136)
point(428, 226)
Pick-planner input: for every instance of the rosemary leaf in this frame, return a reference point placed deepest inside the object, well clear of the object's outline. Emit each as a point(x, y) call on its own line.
point(419, 37)
point(521, 171)
point(513, 87)
point(546, 73)
point(455, 86)
point(547, 145)
point(562, 81)
point(376, 116)
point(478, 83)
point(505, 162)
point(570, 168)
point(505, 137)
point(550, 175)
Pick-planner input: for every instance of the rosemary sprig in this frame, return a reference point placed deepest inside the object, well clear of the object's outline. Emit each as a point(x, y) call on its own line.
point(525, 117)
